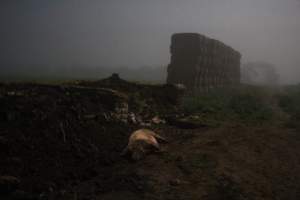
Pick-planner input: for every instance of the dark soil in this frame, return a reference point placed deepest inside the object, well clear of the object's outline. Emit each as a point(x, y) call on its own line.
point(64, 142)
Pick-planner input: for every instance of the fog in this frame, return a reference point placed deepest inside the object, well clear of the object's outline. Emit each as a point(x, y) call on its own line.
point(58, 35)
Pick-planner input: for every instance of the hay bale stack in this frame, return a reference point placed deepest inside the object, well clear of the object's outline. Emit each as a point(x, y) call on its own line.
point(201, 63)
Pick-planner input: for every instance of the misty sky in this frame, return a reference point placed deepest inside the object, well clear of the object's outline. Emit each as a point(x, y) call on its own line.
point(137, 32)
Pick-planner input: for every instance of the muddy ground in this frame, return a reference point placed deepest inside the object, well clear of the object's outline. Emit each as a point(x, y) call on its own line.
point(64, 142)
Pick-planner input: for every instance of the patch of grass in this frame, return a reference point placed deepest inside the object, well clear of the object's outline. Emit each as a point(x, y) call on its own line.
point(246, 104)
point(250, 108)
point(289, 102)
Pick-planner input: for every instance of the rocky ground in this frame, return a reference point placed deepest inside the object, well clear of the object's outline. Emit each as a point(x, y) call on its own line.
point(64, 142)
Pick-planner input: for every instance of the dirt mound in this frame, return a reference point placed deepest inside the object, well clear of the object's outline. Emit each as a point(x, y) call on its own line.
point(143, 99)
point(55, 137)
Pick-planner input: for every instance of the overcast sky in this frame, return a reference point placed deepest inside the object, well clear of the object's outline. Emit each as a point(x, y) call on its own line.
point(137, 32)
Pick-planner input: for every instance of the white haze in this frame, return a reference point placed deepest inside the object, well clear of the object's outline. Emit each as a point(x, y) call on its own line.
point(135, 33)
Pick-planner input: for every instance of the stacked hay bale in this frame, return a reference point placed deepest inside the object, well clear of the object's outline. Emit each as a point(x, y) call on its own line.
point(201, 63)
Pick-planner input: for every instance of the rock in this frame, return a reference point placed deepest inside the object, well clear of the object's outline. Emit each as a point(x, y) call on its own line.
point(157, 120)
point(180, 87)
point(144, 124)
point(132, 118)
point(15, 93)
point(175, 182)
point(8, 184)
